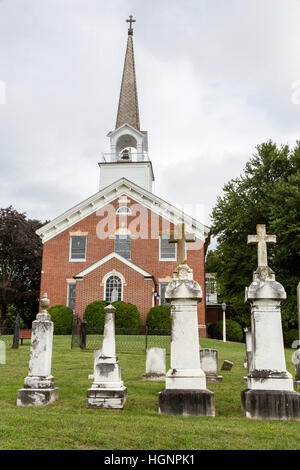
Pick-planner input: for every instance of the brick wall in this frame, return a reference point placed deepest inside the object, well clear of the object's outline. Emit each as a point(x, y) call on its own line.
point(57, 269)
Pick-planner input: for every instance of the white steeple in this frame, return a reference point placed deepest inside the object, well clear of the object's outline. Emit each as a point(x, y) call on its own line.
point(128, 155)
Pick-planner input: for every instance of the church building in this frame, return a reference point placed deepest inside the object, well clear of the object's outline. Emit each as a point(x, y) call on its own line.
point(115, 244)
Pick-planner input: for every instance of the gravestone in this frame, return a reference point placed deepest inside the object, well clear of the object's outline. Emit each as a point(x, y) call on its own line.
point(155, 364)
point(2, 352)
point(247, 364)
point(296, 362)
point(108, 390)
point(185, 393)
point(39, 384)
point(227, 365)
point(209, 364)
point(270, 393)
point(97, 354)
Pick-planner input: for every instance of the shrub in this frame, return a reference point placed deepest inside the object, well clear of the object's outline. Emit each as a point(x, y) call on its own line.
point(159, 317)
point(62, 318)
point(234, 331)
point(94, 314)
point(127, 315)
point(290, 336)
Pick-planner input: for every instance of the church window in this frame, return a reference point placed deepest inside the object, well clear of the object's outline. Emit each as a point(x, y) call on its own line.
point(123, 245)
point(113, 289)
point(78, 249)
point(71, 296)
point(162, 293)
point(124, 210)
point(167, 251)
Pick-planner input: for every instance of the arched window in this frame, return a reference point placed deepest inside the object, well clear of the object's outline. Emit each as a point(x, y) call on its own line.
point(123, 210)
point(113, 289)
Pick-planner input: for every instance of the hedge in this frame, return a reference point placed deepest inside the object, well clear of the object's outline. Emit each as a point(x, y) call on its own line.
point(62, 318)
point(127, 315)
point(94, 314)
point(234, 331)
point(159, 317)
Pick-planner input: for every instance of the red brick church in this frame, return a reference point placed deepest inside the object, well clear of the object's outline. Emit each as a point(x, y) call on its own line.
point(115, 244)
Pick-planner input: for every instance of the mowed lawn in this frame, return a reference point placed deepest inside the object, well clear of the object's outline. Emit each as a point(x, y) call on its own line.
point(67, 424)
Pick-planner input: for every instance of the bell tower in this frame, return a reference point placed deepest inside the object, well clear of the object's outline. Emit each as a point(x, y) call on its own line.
point(128, 156)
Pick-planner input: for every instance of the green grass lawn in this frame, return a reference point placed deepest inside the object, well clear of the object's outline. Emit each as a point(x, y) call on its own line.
point(67, 424)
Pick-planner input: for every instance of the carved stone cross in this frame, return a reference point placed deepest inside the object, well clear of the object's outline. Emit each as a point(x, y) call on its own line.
point(261, 238)
point(182, 238)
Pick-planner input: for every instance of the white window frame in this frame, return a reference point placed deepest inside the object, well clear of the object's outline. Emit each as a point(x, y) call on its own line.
point(160, 292)
point(68, 285)
point(166, 259)
point(106, 277)
point(81, 260)
point(128, 212)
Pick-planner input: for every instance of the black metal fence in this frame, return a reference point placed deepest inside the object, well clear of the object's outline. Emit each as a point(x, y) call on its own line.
point(129, 340)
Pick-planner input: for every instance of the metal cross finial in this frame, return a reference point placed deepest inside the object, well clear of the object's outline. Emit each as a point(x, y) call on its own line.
point(182, 238)
point(130, 21)
point(261, 238)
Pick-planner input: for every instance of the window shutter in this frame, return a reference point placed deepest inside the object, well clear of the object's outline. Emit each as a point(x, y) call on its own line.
point(167, 250)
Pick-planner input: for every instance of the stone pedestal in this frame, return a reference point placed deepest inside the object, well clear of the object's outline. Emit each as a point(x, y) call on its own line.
point(155, 364)
point(209, 364)
point(39, 384)
point(108, 390)
point(270, 393)
point(186, 393)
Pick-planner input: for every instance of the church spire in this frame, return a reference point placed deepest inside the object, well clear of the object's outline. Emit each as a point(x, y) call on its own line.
point(128, 109)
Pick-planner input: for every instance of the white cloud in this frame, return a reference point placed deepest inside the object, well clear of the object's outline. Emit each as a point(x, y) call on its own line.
point(214, 80)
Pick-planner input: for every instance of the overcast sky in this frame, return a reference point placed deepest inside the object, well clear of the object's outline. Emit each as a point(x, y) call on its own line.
point(215, 78)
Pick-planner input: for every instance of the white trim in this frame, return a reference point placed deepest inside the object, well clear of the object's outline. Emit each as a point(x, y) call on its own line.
point(128, 263)
point(129, 212)
point(78, 260)
point(109, 194)
point(114, 272)
point(107, 276)
point(166, 259)
point(68, 285)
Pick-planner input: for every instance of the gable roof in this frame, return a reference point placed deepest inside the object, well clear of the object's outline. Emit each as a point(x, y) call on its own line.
point(109, 194)
point(109, 257)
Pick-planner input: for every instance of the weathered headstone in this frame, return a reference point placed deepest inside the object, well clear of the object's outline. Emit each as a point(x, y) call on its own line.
point(2, 352)
point(185, 393)
point(39, 384)
point(227, 365)
point(270, 393)
point(97, 354)
point(108, 390)
point(209, 364)
point(296, 362)
point(155, 364)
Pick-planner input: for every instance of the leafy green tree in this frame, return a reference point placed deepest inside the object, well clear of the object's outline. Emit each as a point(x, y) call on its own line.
point(266, 193)
point(20, 263)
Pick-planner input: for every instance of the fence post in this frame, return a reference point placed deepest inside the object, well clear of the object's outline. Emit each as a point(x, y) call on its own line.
point(15, 344)
point(146, 338)
point(83, 334)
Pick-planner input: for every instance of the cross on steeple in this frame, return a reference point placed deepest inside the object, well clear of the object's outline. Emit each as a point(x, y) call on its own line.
point(261, 238)
point(130, 21)
point(182, 238)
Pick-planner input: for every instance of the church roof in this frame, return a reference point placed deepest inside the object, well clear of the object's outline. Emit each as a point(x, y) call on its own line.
point(108, 258)
point(128, 109)
point(107, 195)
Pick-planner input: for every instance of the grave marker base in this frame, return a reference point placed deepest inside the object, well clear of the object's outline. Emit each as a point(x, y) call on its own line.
point(186, 402)
point(36, 396)
point(271, 404)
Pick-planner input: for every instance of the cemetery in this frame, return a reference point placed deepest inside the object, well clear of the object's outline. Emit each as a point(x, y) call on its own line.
point(121, 329)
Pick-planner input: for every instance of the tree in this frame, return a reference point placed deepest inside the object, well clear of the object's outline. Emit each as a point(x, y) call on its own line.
point(20, 263)
point(266, 193)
